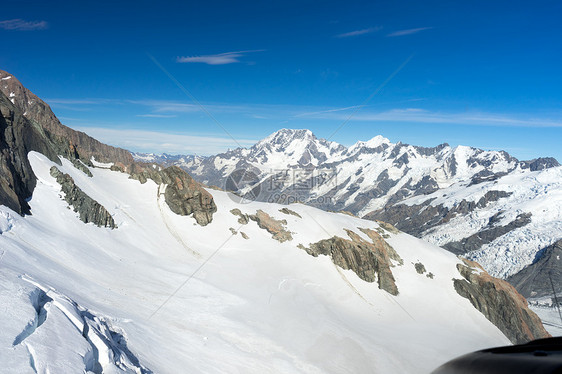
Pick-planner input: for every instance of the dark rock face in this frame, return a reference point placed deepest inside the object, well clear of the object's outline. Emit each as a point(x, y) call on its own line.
point(275, 227)
point(244, 218)
point(486, 236)
point(65, 141)
point(28, 124)
point(370, 261)
point(540, 163)
point(416, 219)
point(534, 280)
point(18, 136)
point(184, 196)
point(88, 209)
point(289, 211)
point(420, 268)
point(500, 303)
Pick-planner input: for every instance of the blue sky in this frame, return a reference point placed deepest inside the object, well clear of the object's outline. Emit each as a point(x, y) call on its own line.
point(480, 73)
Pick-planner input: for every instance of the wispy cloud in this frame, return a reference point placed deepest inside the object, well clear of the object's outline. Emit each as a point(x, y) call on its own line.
point(80, 101)
point(326, 111)
point(156, 115)
point(408, 31)
point(416, 115)
point(163, 142)
point(171, 109)
point(23, 25)
point(359, 32)
point(170, 106)
point(218, 59)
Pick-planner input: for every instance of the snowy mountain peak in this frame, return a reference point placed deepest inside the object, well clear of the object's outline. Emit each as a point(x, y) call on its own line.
point(284, 137)
point(373, 143)
point(290, 147)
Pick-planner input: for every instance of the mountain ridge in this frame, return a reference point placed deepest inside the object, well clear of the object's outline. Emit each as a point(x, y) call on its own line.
point(465, 199)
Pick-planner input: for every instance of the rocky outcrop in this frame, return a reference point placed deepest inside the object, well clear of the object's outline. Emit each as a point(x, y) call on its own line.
point(416, 219)
point(499, 302)
point(385, 249)
point(18, 136)
point(243, 218)
point(88, 209)
point(183, 194)
point(420, 268)
point(476, 241)
point(273, 226)
point(535, 279)
point(289, 211)
point(540, 163)
point(369, 260)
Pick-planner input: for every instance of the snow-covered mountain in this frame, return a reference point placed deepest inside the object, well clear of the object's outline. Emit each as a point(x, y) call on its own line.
point(485, 205)
point(82, 297)
point(120, 266)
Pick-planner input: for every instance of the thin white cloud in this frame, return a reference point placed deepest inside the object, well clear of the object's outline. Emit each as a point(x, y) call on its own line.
point(359, 32)
point(169, 106)
point(416, 115)
point(163, 142)
point(22, 25)
point(170, 109)
point(408, 31)
point(156, 115)
point(326, 111)
point(79, 101)
point(218, 59)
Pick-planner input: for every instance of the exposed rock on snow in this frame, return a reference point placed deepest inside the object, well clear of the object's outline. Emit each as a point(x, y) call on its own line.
point(182, 193)
point(420, 268)
point(488, 235)
point(416, 219)
point(88, 209)
point(244, 218)
point(273, 226)
point(370, 261)
point(289, 211)
point(500, 303)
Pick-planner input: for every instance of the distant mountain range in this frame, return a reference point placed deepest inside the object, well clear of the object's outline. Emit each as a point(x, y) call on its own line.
point(485, 205)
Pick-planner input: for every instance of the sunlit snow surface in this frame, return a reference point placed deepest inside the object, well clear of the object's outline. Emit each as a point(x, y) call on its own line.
point(256, 306)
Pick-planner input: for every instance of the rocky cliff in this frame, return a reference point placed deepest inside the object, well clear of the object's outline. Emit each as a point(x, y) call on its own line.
point(65, 141)
point(371, 261)
point(535, 279)
point(500, 303)
point(17, 137)
point(88, 209)
point(28, 124)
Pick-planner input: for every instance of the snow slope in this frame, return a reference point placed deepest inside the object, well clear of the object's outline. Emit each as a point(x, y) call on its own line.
point(162, 294)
